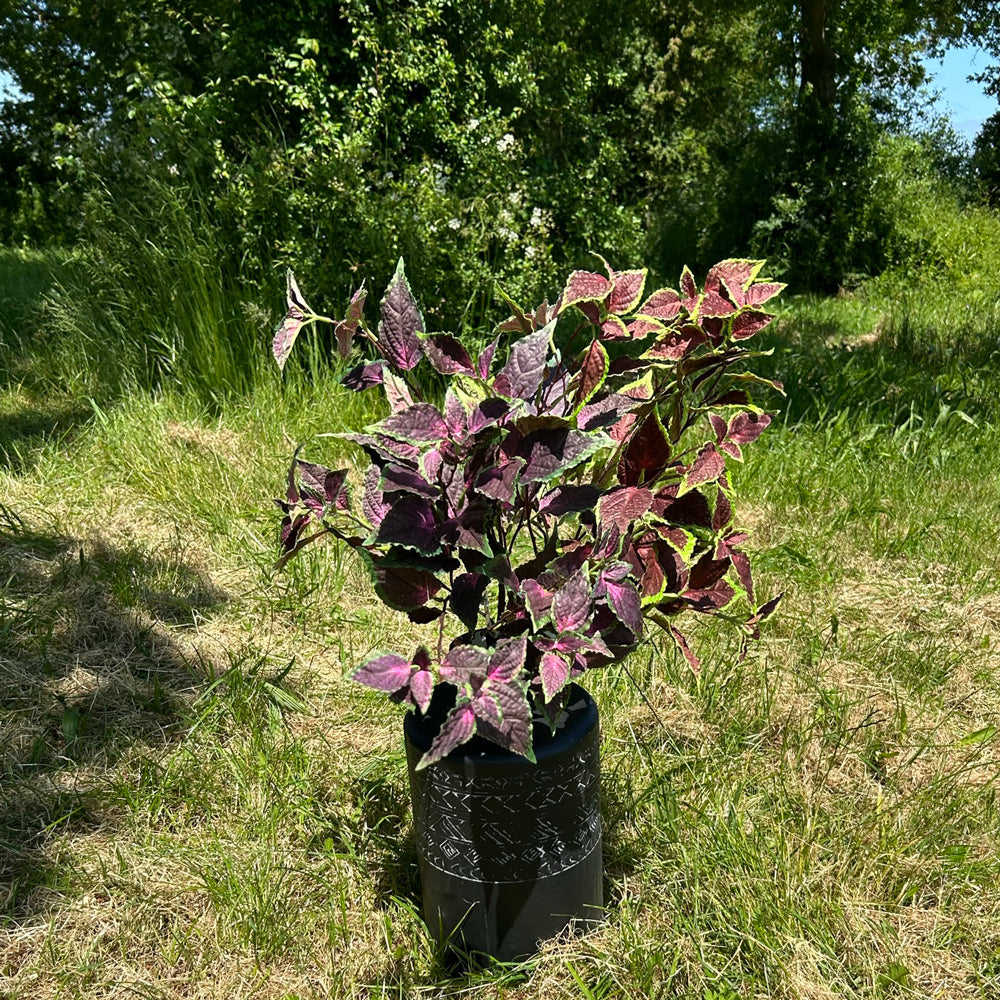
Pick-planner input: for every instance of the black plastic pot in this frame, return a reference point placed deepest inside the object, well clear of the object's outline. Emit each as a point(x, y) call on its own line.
point(509, 851)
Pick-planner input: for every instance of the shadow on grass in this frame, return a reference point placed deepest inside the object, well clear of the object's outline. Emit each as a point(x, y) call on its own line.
point(25, 432)
point(905, 364)
point(85, 675)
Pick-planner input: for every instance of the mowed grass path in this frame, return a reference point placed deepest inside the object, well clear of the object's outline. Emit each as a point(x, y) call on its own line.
point(195, 803)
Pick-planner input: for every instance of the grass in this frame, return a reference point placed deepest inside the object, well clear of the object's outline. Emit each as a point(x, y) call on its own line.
point(195, 803)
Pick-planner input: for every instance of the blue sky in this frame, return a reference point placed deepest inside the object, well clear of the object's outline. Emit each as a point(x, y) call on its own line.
point(965, 103)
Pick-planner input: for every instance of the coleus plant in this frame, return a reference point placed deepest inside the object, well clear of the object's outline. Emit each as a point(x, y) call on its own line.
point(555, 504)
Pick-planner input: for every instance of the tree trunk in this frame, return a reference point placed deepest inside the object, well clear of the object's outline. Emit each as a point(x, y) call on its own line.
point(817, 55)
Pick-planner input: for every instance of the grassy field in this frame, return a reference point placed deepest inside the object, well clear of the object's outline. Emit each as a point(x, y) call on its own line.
point(195, 804)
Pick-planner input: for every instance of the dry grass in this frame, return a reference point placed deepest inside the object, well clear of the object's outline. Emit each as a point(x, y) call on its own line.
point(183, 817)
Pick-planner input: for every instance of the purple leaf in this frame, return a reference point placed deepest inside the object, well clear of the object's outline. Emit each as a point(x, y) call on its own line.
point(741, 563)
point(364, 376)
point(388, 448)
point(465, 664)
point(677, 343)
point(485, 360)
point(285, 334)
point(722, 516)
point(404, 588)
point(424, 616)
point(746, 427)
point(499, 482)
point(593, 372)
point(554, 671)
point(467, 592)
point(325, 483)
point(642, 326)
point(455, 415)
point(749, 323)
point(627, 291)
point(605, 411)
point(572, 603)
point(418, 423)
point(345, 331)
point(458, 728)
point(720, 427)
point(467, 530)
point(706, 468)
point(507, 661)
point(539, 601)
point(682, 644)
point(292, 294)
point(714, 306)
point(431, 463)
point(487, 413)
point(509, 704)
point(397, 478)
point(613, 328)
point(397, 392)
point(732, 276)
point(373, 504)
point(624, 601)
point(521, 377)
point(569, 499)
point(624, 505)
point(664, 304)
point(487, 711)
point(384, 672)
point(585, 286)
point(447, 355)
point(548, 452)
point(689, 287)
point(571, 643)
point(400, 323)
point(757, 295)
point(647, 453)
point(288, 329)
point(421, 688)
point(410, 523)
point(291, 530)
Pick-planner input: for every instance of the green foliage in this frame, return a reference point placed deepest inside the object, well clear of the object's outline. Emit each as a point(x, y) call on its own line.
point(473, 137)
point(986, 159)
point(153, 301)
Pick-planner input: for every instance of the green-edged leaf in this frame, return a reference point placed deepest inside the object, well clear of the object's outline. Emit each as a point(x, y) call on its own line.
point(447, 354)
point(458, 728)
point(294, 319)
point(418, 423)
point(521, 376)
point(547, 453)
point(613, 328)
point(706, 468)
point(585, 286)
point(554, 671)
point(664, 304)
point(627, 291)
point(593, 372)
point(400, 323)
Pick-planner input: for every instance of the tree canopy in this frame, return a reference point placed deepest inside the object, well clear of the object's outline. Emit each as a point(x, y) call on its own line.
point(472, 135)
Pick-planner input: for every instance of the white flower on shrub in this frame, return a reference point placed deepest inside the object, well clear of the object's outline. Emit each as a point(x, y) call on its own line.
point(505, 142)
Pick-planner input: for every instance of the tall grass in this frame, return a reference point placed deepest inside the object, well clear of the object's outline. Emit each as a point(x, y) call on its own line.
point(156, 300)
